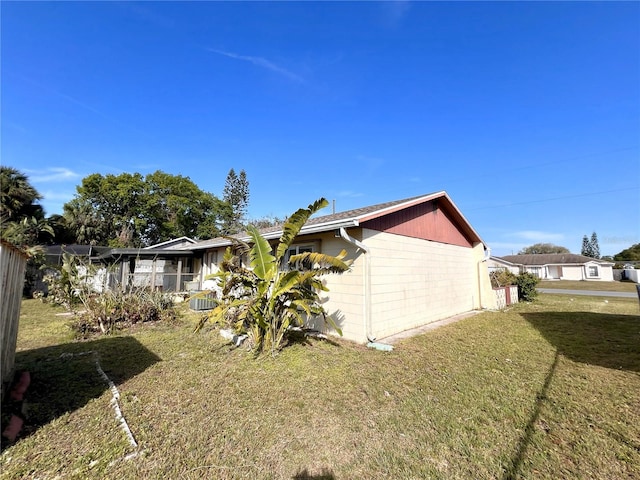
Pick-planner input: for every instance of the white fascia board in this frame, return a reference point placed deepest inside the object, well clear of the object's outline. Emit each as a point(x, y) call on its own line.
point(318, 228)
point(309, 229)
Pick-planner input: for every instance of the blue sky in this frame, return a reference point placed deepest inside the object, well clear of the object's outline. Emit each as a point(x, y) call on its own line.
point(527, 114)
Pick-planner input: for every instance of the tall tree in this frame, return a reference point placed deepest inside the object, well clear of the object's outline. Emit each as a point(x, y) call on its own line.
point(129, 210)
point(179, 208)
point(543, 248)
point(18, 198)
point(236, 194)
point(113, 205)
point(22, 219)
point(595, 247)
point(586, 250)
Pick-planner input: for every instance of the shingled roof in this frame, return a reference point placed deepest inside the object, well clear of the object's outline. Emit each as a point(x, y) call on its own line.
point(352, 218)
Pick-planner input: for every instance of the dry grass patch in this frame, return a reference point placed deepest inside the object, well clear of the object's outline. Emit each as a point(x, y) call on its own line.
point(515, 394)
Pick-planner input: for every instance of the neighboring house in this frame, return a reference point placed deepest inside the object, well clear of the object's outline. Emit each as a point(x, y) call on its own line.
point(168, 266)
point(561, 266)
point(416, 261)
point(497, 263)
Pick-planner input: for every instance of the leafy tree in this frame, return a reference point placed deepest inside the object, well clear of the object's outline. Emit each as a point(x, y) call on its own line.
point(22, 221)
point(271, 296)
point(236, 194)
point(129, 210)
point(265, 222)
point(543, 248)
point(179, 208)
point(62, 234)
point(628, 254)
point(595, 247)
point(21, 218)
point(18, 198)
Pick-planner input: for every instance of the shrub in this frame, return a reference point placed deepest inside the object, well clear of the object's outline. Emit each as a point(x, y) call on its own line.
point(527, 283)
point(502, 278)
point(112, 310)
point(103, 312)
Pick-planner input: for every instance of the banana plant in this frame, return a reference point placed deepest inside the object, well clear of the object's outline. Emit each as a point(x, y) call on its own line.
point(273, 295)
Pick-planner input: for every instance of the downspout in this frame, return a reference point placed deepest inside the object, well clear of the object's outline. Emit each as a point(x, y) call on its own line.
point(367, 280)
point(487, 256)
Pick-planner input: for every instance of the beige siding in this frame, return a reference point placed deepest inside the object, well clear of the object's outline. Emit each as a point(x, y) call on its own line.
point(415, 282)
point(345, 298)
point(412, 282)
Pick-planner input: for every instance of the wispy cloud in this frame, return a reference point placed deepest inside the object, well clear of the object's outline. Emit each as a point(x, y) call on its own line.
point(261, 62)
point(57, 196)
point(538, 236)
point(348, 193)
point(53, 174)
point(66, 97)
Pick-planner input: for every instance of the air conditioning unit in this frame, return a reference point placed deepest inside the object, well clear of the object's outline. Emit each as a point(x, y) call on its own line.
point(202, 301)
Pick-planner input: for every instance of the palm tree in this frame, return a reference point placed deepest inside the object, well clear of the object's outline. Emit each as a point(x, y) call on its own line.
point(272, 295)
point(17, 196)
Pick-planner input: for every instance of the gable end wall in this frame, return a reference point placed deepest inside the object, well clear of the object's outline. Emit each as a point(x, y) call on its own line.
point(425, 221)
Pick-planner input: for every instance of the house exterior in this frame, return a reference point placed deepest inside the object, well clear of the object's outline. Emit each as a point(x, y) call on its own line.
point(561, 266)
point(415, 261)
point(168, 266)
point(497, 263)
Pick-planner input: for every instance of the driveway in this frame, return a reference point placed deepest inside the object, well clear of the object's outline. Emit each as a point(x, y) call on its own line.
point(592, 293)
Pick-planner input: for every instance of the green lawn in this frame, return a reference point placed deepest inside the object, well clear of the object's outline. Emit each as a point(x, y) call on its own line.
point(584, 285)
point(543, 390)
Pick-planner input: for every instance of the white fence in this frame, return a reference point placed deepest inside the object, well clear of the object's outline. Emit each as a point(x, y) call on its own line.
point(12, 268)
point(506, 296)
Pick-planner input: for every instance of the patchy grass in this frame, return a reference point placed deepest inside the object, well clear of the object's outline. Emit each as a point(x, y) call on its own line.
point(588, 285)
point(544, 390)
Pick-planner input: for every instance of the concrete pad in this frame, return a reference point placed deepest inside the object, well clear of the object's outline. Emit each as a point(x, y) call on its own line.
point(425, 328)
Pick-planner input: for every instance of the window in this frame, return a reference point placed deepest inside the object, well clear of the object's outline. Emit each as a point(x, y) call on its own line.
point(298, 249)
point(537, 271)
point(593, 271)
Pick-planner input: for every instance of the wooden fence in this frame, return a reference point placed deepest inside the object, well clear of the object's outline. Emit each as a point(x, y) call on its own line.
point(12, 268)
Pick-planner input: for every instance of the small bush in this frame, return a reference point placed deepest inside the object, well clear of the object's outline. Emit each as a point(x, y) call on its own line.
point(113, 310)
point(502, 278)
point(527, 283)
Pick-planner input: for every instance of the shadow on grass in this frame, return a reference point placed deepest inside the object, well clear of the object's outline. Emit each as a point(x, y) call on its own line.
point(64, 377)
point(600, 339)
point(326, 474)
point(512, 470)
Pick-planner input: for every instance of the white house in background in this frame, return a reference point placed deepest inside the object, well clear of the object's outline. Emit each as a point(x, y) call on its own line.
point(497, 263)
point(416, 261)
point(561, 266)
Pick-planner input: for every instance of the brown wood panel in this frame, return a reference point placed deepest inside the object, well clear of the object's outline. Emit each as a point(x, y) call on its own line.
point(426, 221)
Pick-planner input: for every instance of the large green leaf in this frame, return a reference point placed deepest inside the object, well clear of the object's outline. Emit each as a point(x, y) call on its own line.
point(294, 223)
point(320, 263)
point(262, 262)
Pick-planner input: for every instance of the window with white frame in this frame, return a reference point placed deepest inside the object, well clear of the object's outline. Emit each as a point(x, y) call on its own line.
point(297, 249)
point(537, 271)
point(593, 271)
